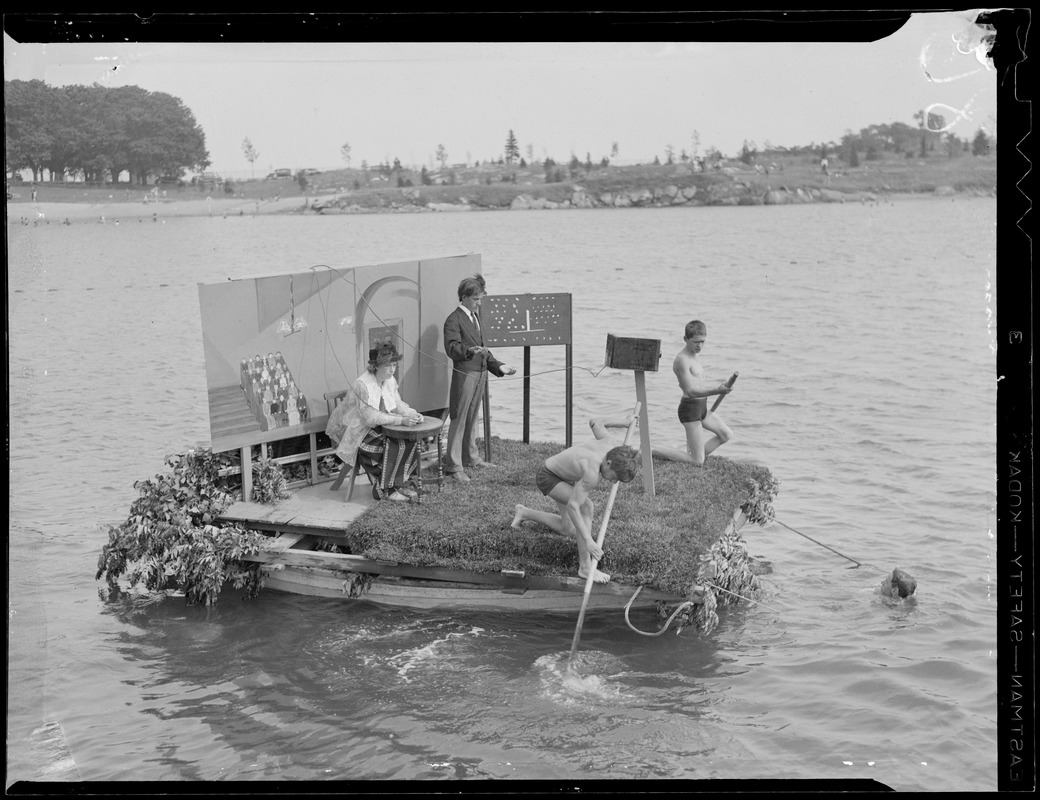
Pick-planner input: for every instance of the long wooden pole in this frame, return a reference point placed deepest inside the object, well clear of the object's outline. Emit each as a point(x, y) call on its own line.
point(729, 383)
point(589, 580)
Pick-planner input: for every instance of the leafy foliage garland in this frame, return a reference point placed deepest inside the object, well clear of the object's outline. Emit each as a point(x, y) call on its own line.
point(269, 483)
point(170, 539)
point(758, 508)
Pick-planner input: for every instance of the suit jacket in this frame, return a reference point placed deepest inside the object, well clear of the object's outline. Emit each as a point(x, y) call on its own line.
point(461, 333)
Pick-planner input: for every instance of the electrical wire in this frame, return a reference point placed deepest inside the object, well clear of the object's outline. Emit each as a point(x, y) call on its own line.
point(434, 358)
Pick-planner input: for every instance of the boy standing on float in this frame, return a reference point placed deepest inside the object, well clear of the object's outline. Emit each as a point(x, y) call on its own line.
point(471, 362)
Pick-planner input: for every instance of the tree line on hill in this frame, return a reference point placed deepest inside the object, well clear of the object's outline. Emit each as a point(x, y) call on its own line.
point(930, 137)
point(97, 132)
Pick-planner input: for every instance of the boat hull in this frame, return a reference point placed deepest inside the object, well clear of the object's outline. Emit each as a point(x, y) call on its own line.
point(421, 594)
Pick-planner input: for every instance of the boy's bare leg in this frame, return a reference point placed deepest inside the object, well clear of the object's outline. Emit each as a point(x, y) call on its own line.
point(695, 442)
point(722, 433)
point(672, 454)
point(558, 524)
point(599, 425)
point(585, 562)
point(552, 521)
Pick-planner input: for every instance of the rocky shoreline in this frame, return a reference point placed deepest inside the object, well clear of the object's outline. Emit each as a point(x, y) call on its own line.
point(578, 196)
point(468, 198)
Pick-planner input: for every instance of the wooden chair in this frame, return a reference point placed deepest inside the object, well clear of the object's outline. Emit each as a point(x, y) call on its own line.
point(333, 399)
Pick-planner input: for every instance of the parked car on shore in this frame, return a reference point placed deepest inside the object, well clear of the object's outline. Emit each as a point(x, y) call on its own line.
point(168, 180)
point(280, 174)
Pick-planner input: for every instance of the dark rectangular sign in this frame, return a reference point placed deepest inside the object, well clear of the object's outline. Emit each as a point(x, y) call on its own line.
point(526, 320)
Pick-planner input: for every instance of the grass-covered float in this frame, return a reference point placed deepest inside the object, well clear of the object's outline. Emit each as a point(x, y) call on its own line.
point(682, 546)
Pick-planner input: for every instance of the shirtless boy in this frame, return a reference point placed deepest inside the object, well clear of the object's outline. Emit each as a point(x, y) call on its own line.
point(693, 408)
point(567, 478)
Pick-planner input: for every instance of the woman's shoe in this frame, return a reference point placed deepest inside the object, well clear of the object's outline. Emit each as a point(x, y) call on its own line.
point(408, 490)
point(400, 498)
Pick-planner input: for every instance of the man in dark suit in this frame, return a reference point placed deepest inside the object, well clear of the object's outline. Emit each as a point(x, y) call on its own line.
point(471, 361)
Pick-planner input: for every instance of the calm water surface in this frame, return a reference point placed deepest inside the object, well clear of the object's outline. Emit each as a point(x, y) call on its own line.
point(864, 340)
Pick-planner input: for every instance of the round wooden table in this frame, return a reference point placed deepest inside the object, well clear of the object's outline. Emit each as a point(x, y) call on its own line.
point(429, 427)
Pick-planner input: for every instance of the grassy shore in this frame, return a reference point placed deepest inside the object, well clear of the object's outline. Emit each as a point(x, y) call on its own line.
point(499, 186)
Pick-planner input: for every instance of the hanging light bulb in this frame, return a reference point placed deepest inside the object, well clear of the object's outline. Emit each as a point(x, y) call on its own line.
point(292, 325)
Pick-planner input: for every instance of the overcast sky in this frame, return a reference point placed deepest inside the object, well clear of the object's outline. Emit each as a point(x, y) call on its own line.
point(299, 103)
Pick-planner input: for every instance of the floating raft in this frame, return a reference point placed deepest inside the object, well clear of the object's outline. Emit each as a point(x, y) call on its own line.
point(456, 548)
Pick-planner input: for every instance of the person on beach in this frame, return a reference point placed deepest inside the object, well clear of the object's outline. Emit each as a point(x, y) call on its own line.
point(693, 407)
point(569, 476)
point(355, 426)
point(471, 362)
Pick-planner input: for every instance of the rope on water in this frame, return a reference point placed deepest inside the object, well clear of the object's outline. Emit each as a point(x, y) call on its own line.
point(682, 607)
point(742, 597)
point(628, 605)
point(821, 544)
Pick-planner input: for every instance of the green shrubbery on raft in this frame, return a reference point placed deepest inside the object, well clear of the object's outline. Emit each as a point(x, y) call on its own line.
point(660, 542)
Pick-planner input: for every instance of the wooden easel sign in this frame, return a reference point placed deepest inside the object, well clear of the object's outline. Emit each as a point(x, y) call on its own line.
point(641, 356)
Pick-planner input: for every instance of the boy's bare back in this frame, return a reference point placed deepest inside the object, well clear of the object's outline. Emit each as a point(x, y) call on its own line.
point(581, 462)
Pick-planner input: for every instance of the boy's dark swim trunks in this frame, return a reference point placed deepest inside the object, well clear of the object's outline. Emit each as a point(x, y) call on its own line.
point(693, 409)
point(545, 479)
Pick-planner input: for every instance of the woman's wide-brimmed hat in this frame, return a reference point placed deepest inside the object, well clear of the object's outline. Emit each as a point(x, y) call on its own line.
point(383, 354)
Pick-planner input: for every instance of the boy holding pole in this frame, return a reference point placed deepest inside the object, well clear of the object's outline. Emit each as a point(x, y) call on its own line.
point(693, 408)
point(567, 478)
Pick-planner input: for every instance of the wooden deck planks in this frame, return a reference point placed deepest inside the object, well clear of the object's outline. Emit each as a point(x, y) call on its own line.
point(311, 508)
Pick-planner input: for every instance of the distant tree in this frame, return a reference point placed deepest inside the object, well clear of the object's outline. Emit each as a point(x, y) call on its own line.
point(613, 150)
point(748, 152)
point(302, 180)
point(604, 162)
point(523, 163)
point(588, 161)
point(980, 144)
point(530, 153)
point(553, 173)
point(397, 165)
point(695, 143)
point(30, 111)
point(99, 132)
point(953, 144)
point(669, 154)
point(344, 152)
point(442, 155)
point(512, 148)
point(424, 176)
point(657, 161)
point(250, 153)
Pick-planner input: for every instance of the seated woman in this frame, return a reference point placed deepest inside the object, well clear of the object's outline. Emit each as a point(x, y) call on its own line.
point(355, 424)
